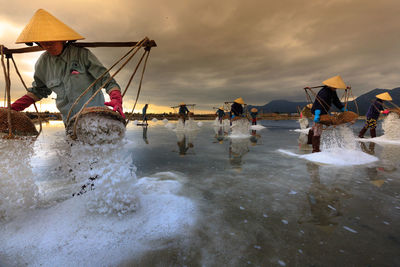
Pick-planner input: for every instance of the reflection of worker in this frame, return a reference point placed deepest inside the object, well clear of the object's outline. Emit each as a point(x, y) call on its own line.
point(371, 148)
point(64, 68)
point(220, 135)
point(373, 113)
point(144, 111)
point(220, 113)
point(237, 149)
point(183, 111)
point(324, 202)
point(253, 114)
point(254, 137)
point(237, 108)
point(323, 101)
point(145, 135)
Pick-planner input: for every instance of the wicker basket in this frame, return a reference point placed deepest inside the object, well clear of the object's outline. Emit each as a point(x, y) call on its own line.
point(22, 125)
point(306, 111)
point(338, 119)
point(110, 130)
point(395, 110)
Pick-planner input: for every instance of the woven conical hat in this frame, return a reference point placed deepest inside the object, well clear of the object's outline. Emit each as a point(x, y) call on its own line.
point(335, 82)
point(182, 104)
point(44, 27)
point(221, 108)
point(239, 101)
point(384, 96)
point(253, 110)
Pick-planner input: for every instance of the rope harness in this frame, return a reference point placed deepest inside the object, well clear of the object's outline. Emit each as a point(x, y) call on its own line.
point(135, 47)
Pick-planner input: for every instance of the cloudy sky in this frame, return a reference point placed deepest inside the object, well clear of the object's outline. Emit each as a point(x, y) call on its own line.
point(214, 51)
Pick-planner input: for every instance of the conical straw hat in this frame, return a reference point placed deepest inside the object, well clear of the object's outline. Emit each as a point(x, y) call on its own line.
point(44, 27)
point(335, 82)
point(253, 110)
point(239, 101)
point(221, 108)
point(384, 96)
point(181, 104)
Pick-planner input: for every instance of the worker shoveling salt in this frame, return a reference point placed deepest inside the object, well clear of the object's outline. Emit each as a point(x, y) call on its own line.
point(97, 125)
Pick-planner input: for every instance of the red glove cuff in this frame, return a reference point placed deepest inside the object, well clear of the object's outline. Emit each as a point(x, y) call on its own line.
point(22, 103)
point(116, 102)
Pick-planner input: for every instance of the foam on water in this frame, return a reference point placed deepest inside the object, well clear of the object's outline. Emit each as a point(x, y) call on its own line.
point(121, 218)
point(340, 157)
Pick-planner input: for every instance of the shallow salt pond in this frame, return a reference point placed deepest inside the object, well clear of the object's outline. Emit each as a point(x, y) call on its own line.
point(200, 197)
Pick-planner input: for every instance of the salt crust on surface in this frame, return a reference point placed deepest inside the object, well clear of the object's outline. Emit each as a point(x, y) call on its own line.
point(339, 157)
point(67, 234)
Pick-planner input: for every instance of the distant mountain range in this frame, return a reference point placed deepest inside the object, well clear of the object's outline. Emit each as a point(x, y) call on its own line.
point(363, 102)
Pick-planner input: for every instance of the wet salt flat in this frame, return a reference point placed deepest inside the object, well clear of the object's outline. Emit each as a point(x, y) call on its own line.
point(200, 196)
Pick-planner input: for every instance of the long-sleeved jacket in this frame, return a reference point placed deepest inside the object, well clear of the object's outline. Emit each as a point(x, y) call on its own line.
point(183, 110)
point(68, 75)
point(220, 113)
point(324, 100)
point(374, 109)
point(144, 110)
point(253, 115)
point(236, 109)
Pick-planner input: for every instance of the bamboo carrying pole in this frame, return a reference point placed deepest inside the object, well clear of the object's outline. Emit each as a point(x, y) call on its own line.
point(6, 71)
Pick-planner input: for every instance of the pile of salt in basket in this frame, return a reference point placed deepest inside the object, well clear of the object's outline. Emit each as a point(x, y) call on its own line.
point(337, 119)
point(22, 125)
point(97, 125)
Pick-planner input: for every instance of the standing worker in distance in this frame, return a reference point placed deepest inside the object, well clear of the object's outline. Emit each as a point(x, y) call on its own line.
point(183, 111)
point(144, 113)
point(253, 114)
point(220, 113)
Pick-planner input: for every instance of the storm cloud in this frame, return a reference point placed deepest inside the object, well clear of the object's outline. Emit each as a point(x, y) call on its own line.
point(214, 51)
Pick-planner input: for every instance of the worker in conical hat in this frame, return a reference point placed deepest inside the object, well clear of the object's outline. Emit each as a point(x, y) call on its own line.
point(183, 111)
point(323, 101)
point(374, 110)
point(220, 113)
point(237, 108)
point(64, 69)
point(253, 114)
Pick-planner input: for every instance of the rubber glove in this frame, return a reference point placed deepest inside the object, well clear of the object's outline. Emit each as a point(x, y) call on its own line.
point(116, 102)
point(22, 103)
point(317, 114)
point(344, 109)
point(386, 111)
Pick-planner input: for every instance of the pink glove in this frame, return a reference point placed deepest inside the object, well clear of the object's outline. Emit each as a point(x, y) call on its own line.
point(386, 111)
point(22, 103)
point(116, 102)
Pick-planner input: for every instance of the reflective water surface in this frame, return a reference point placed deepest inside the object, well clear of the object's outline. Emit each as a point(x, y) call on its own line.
point(198, 197)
